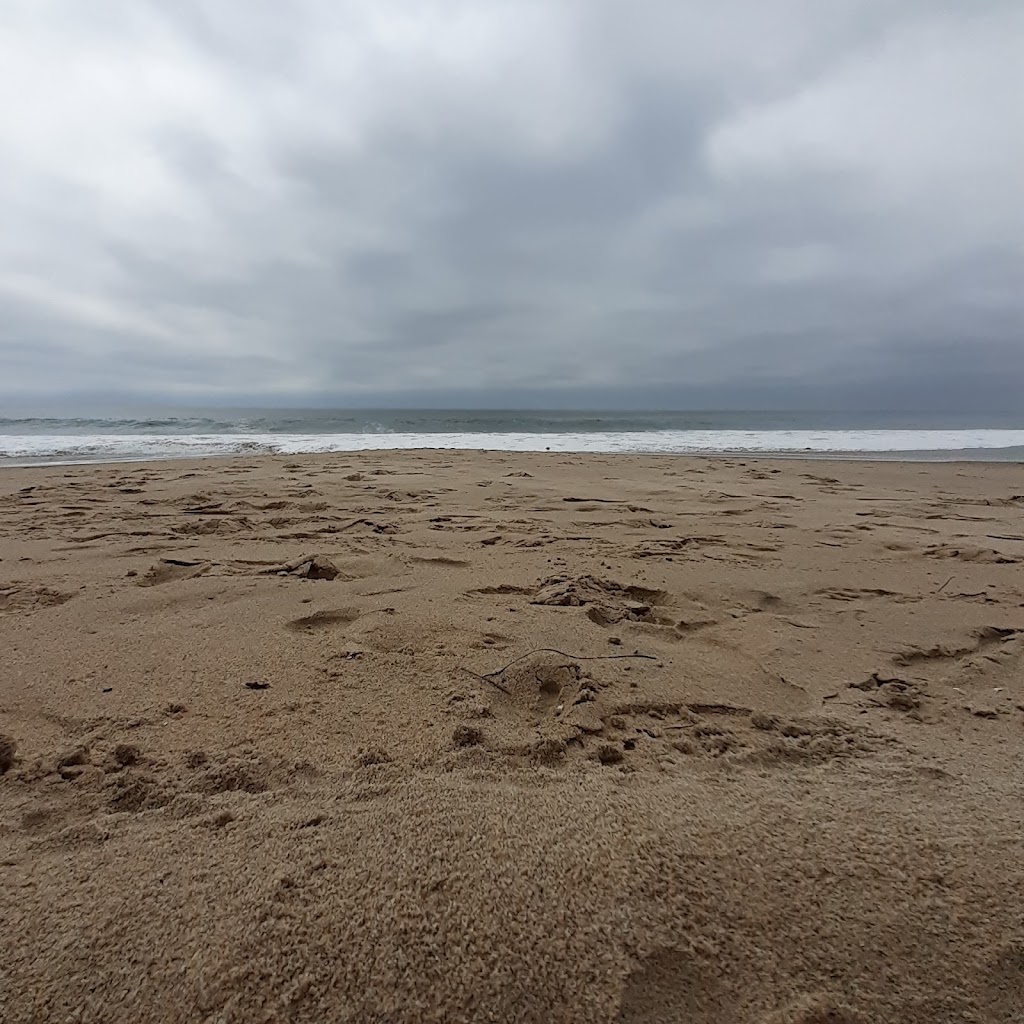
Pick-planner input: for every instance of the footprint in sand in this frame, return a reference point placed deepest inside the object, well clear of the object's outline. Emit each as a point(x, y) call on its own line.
point(971, 553)
point(453, 563)
point(16, 597)
point(170, 570)
point(674, 987)
point(323, 620)
point(492, 641)
point(1003, 992)
point(816, 1009)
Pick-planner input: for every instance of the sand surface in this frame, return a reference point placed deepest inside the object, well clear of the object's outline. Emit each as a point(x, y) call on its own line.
point(770, 774)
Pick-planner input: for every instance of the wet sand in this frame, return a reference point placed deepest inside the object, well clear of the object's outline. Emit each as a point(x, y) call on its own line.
point(430, 736)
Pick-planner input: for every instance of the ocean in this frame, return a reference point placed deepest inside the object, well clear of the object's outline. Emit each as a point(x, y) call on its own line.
point(217, 432)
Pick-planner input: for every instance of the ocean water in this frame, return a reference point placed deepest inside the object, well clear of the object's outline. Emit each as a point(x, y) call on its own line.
point(193, 433)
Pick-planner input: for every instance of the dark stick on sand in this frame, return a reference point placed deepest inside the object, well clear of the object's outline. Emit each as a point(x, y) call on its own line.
point(572, 657)
point(491, 677)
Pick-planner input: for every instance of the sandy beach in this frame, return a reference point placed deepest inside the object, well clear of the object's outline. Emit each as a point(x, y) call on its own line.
point(430, 736)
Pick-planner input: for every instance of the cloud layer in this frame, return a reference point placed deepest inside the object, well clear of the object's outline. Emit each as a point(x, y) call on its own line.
point(445, 200)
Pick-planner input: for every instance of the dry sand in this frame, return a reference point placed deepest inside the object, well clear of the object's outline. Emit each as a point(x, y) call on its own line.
point(772, 773)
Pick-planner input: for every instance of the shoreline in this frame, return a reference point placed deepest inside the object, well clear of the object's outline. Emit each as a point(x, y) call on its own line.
point(875, 442)
point(967, 456)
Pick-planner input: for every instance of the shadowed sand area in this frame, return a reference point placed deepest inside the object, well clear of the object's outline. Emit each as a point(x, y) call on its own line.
point(422, 736)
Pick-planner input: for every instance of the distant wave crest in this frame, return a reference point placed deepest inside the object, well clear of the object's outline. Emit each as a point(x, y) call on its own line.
point(105, 447)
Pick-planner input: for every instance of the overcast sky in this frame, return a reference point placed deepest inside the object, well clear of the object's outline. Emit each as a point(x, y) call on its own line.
point(454, 200)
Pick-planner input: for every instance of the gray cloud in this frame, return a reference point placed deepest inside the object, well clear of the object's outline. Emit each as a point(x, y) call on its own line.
point(537, 203)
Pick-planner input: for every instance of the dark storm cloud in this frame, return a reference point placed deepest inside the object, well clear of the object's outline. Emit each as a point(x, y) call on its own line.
point(530, 202)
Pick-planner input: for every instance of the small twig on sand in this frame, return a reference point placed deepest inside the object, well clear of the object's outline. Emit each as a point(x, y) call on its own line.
point(491, 677)
point(486, 679)
point(565, 654)
point(946, 584)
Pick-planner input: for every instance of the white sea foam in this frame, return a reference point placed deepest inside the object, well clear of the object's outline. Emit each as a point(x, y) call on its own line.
point(142, 447)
